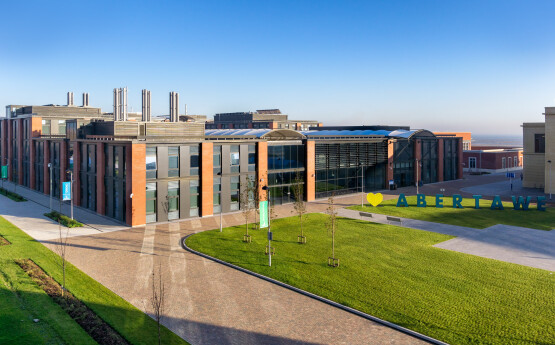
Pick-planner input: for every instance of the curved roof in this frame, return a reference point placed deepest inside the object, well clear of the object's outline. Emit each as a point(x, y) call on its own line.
point(398, 133)
point(255, 133)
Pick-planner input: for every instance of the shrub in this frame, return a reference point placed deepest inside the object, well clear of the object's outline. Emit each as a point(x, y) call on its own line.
point(12, 195)
point(64, 220)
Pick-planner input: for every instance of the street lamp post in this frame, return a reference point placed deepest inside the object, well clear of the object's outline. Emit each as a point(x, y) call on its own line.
point(71, 180)
point(266, 188)
point(417, 180)
point(550, 186)
point(362, 196)
point(50, 176)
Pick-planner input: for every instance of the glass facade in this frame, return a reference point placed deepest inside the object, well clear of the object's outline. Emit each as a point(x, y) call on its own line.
point(340, 167)
point(428, 162)
point(286, 165)
point(173, 200)
point(450, 159)
point(151, 165)
point(403, 163)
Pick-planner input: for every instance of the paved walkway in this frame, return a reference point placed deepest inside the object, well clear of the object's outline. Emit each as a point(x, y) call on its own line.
point(29, 216)
point(523, 246)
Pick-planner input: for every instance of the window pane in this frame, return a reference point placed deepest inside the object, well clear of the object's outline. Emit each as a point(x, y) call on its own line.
point(151, 158)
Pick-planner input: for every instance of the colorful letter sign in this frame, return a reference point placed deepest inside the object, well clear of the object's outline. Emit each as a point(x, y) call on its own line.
point(263, 207)
point(66, 191)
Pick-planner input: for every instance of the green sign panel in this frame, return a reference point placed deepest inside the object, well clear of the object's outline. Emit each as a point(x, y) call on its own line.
point(4, 171)
point(263, 214)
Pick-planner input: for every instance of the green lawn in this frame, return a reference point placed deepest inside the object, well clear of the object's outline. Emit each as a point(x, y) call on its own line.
point(21, 301)
point(394, 273)
point(469, 216)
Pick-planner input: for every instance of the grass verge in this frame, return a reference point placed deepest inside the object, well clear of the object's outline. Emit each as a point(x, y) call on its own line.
point(396, 274)
point(468, 216)
point(12, 195)
point(64, 220)
point(100, 331)
point(23, 299)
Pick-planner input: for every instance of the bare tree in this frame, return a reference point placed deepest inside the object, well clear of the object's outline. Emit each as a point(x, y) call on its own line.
point(254, 196)
point(246, 207)
point(299, 205)
point(61, 248)
point(332, 226)
point(158, 297)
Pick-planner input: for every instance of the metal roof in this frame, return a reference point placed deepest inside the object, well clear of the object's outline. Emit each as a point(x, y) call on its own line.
point(275, 134)
point(247, 132)
point(399, 133)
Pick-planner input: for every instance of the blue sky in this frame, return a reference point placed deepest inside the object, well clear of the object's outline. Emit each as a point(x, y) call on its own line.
point(480, 66)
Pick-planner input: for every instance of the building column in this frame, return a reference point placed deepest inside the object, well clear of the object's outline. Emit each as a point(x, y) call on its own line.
point(460, 158)
point(390, 152)
point(440, 155)
point(10, 149)
point(310, 181)
point(207, 179)
point(100, 187)
point(418, 160)
point(76, 175)
point(262, 168)
point(46, 170)
point(20, 151)
point(32, 164)
point(63, 165)
point(4, 141)
point(135, 184)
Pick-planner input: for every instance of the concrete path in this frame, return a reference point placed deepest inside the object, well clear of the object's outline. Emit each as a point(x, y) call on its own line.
point(29, 216)
point(523, 246)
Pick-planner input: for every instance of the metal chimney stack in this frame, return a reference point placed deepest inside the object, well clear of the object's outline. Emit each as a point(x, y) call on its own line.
point(117, 105)
point(174, 107)
point(146, 106)
point(85, 99)
point(70, 99)
point(120, 104)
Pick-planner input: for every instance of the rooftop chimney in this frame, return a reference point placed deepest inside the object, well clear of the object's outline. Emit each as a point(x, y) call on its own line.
point(85, 99)
point(146, 106)
point(120, 104)
point(70, 99)
point(174, 107)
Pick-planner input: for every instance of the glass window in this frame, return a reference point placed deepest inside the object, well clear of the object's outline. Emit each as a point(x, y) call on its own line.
point(46, 127)
point(150, 202)
point(217, 160)
point(173, 200)
point(62, 127)
point(151, 162)
point(539, 143)
point(173, 161)
point(194, 159)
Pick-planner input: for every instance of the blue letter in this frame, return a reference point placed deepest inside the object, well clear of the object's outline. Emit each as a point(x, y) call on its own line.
point(439, 200)
point(457, 201)
point(402, 201)
point(420, 200)
point(496, 203)
point(541, 203)
point(516, 204)
point(477, 201)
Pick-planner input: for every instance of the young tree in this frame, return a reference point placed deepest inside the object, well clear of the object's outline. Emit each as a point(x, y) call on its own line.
point(332, 225)
point(246, 207)
point(254, 196)
point(157, 299)
point(61, 248)
point(299, 205)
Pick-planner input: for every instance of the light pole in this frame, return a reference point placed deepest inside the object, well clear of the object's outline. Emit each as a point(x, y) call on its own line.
point(71, 180)
point(269, 227)
point(550, 189)
point(362, 186)
point(50, 176)
point(417, 180)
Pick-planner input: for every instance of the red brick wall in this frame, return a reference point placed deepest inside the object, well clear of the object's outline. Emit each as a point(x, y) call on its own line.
point(262, 165)
point(20, 151)
point(390, 152)
point(310, 170)
point(46, 171)
point(135, 213)
point(100, 188)
point(76, 176)
point(207, 179)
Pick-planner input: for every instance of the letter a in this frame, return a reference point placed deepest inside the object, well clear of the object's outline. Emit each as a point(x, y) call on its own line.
point(402, 201)
point(496, 204)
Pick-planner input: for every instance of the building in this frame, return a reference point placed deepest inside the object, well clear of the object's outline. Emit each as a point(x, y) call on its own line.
point(539, 153)
point(466, 138)
point(492, 159)
point(141, 171)
point(269, 118)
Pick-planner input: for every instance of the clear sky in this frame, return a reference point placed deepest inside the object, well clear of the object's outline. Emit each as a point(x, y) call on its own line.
point(480, 66)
